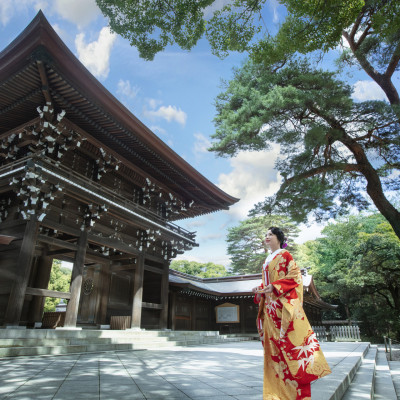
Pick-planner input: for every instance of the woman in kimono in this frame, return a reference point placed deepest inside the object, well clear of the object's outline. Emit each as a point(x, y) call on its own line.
point(292, 355)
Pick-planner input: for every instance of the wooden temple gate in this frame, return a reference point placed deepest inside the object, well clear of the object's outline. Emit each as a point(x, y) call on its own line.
point(83, 180)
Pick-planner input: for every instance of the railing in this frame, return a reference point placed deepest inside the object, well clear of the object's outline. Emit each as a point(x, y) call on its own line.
point(321, 333)
point(388, 346)
point(345, 333)
point(337, 333)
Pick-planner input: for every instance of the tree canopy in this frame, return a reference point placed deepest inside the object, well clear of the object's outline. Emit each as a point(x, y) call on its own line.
point(357, 265)
point(60, 279)
point(153, 25)
point(245, 241)
point(332, 148)
point(367, 31)
point(202, 270)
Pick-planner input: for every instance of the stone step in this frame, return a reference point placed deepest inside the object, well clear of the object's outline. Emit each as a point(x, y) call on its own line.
point(395, 372)
point(384, 387)
point(95, 333)
point(54, 342)
point(362, 386)
point(335, 385)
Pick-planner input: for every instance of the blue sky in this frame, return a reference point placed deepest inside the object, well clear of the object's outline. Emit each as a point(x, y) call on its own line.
point(174, 96)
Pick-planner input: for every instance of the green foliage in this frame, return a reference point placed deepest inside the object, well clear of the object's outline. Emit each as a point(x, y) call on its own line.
point(153, 25)
point(357, 265)
point(202, 270)
point(325, 138)
point(332, 149)
point(60, 278)
point(245, 242)
point(371, 26)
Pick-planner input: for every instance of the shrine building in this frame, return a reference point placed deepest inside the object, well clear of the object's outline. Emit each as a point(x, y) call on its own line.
point(83, 180)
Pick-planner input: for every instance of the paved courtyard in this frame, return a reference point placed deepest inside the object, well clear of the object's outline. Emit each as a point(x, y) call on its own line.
point(217, 372)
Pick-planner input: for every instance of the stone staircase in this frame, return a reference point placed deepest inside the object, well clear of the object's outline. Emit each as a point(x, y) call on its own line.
point(38, 342)
point(364, 374)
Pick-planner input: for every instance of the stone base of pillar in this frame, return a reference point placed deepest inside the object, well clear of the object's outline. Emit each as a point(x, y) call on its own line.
point(15, 327)
point(68, 328)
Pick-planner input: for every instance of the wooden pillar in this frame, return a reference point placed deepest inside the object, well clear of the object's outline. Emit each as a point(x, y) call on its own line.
point(71, 315)
point(173, 311)
point(41, 281)
point(24, 263)
point(137, 293)
point(193, 314)
point(242, 315)
point(164, 296)
point(104, 292)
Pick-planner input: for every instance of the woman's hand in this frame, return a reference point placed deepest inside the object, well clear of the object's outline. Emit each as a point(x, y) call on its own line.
point(267, 289)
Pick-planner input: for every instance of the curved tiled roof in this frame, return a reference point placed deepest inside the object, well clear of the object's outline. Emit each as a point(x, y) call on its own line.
point(240, 286)
point(37, 67)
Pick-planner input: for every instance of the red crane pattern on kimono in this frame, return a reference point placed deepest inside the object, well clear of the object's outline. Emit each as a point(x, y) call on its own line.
point(292, 354)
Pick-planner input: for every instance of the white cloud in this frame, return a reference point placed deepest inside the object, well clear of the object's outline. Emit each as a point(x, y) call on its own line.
point(252, 178)
point(368, 90)
point(273, 5)
point(216, 5)
point(311, 232)
point(125, 89)
point(9, 8)
point(169, 113)
point(96, 55)
point(60, 32)
point(153, 103)
point(201, 145)
point(210, 236)
point(79, 12)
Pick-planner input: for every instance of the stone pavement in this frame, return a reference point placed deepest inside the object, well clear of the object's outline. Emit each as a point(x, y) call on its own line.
point(226, 371)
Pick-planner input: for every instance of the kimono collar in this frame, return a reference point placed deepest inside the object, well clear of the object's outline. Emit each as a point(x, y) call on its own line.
point(272, 255)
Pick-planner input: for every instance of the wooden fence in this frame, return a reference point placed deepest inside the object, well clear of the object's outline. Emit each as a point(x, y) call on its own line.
point(338, 333)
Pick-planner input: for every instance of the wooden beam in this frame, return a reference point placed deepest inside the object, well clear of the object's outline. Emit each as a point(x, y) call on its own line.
point(45, 82)
point(60, 227)
point(20, 128)
point(116, 268)
point(4, 239)
point(47, 293)
point(153, 269)
point(8, 225)
point(57, 242)
point(121, 257)
point(114, 244)
point(59, 252)
point(154, 306)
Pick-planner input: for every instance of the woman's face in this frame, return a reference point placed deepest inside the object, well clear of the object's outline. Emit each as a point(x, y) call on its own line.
point(272, 241)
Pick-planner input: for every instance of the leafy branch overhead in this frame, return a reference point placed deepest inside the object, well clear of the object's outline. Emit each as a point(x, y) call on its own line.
point(332, 148)
point(151, 25)
point(326, 139)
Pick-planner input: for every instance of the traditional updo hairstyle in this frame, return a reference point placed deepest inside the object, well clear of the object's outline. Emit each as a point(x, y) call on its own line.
point(280, 235)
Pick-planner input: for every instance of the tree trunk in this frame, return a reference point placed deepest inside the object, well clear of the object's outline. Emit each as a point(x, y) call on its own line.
point(383, 80)
point(374, 186)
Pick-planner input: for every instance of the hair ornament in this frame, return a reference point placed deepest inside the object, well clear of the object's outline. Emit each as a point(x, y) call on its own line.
point(284, 245)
